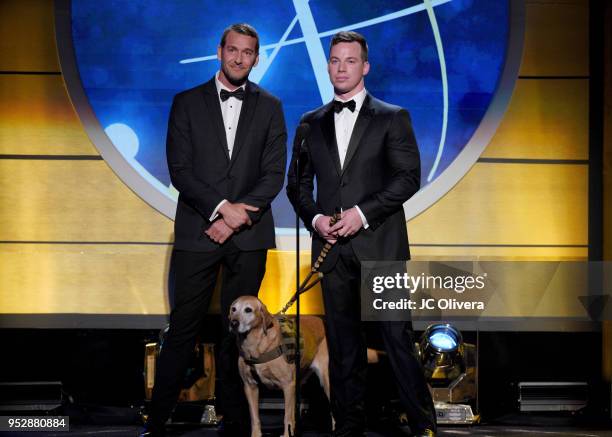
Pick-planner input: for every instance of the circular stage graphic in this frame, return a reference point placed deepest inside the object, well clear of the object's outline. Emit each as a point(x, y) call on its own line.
point(451, 63)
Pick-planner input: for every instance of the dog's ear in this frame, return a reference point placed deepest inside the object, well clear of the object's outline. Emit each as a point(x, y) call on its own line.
point(266, 318)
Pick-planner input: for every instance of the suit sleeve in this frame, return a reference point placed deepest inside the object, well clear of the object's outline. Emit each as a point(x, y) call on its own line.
point(272, 164)
point(405, 168)
point(306, 202)
point(199, 195)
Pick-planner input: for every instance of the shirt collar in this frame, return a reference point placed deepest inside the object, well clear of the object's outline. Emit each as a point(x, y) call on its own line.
point(220, 85)
point(358, 98)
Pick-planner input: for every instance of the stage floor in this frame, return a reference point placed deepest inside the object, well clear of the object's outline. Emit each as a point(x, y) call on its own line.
point(483, 431)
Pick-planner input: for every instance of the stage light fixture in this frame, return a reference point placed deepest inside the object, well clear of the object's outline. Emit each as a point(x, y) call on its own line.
point(441, 350)
point(450, 368)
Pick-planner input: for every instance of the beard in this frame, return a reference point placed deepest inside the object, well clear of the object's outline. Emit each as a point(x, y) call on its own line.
point(236, 81)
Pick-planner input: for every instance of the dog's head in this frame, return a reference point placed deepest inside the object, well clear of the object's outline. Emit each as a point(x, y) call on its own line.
point(247, 313)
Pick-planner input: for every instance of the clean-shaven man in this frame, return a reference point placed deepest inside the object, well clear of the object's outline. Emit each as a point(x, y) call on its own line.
point(364, 157)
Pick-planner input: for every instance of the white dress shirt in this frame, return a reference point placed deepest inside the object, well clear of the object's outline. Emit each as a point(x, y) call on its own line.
point(344, 122)
point(230, 111)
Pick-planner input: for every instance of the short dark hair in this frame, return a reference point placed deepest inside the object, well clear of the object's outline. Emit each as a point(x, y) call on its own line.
point(350, 36)
point(242, 29)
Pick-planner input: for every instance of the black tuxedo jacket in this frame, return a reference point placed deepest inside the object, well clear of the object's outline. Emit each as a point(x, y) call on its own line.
point(203, 173)
point(381, 171)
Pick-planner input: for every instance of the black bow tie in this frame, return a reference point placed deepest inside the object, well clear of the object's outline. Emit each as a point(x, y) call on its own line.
point(225, 94)
point(339, 106)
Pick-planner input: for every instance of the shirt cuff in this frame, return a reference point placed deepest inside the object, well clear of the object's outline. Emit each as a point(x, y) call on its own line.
point(363, 218)
point(215, 212)
point(314, 220)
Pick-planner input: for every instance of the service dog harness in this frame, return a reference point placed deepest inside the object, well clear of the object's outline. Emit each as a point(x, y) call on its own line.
point(285, 349)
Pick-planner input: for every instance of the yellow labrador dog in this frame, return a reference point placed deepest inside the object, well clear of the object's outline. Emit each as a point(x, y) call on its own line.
point(259, 340)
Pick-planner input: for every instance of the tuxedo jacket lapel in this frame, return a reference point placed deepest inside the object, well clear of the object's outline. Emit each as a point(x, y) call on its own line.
point(249, 104)
point(361, 125)
point(214, 112)
point(329, 132)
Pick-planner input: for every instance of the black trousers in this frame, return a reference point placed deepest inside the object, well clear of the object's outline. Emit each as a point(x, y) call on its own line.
point(194, 277)
point(348, 357)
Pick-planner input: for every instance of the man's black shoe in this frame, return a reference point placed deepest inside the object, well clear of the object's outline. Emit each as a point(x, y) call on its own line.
point(392, 429)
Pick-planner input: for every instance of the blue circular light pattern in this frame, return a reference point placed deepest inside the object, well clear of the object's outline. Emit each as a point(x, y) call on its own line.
point(443, 341)
point(124, 138)
point(443, 337)
point(441, 59)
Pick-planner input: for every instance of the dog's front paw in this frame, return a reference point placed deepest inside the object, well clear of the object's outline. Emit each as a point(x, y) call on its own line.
point(289, 431)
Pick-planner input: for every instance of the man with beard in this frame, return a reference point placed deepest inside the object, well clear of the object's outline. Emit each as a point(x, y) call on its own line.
point(226, 150)
point(364, 156)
